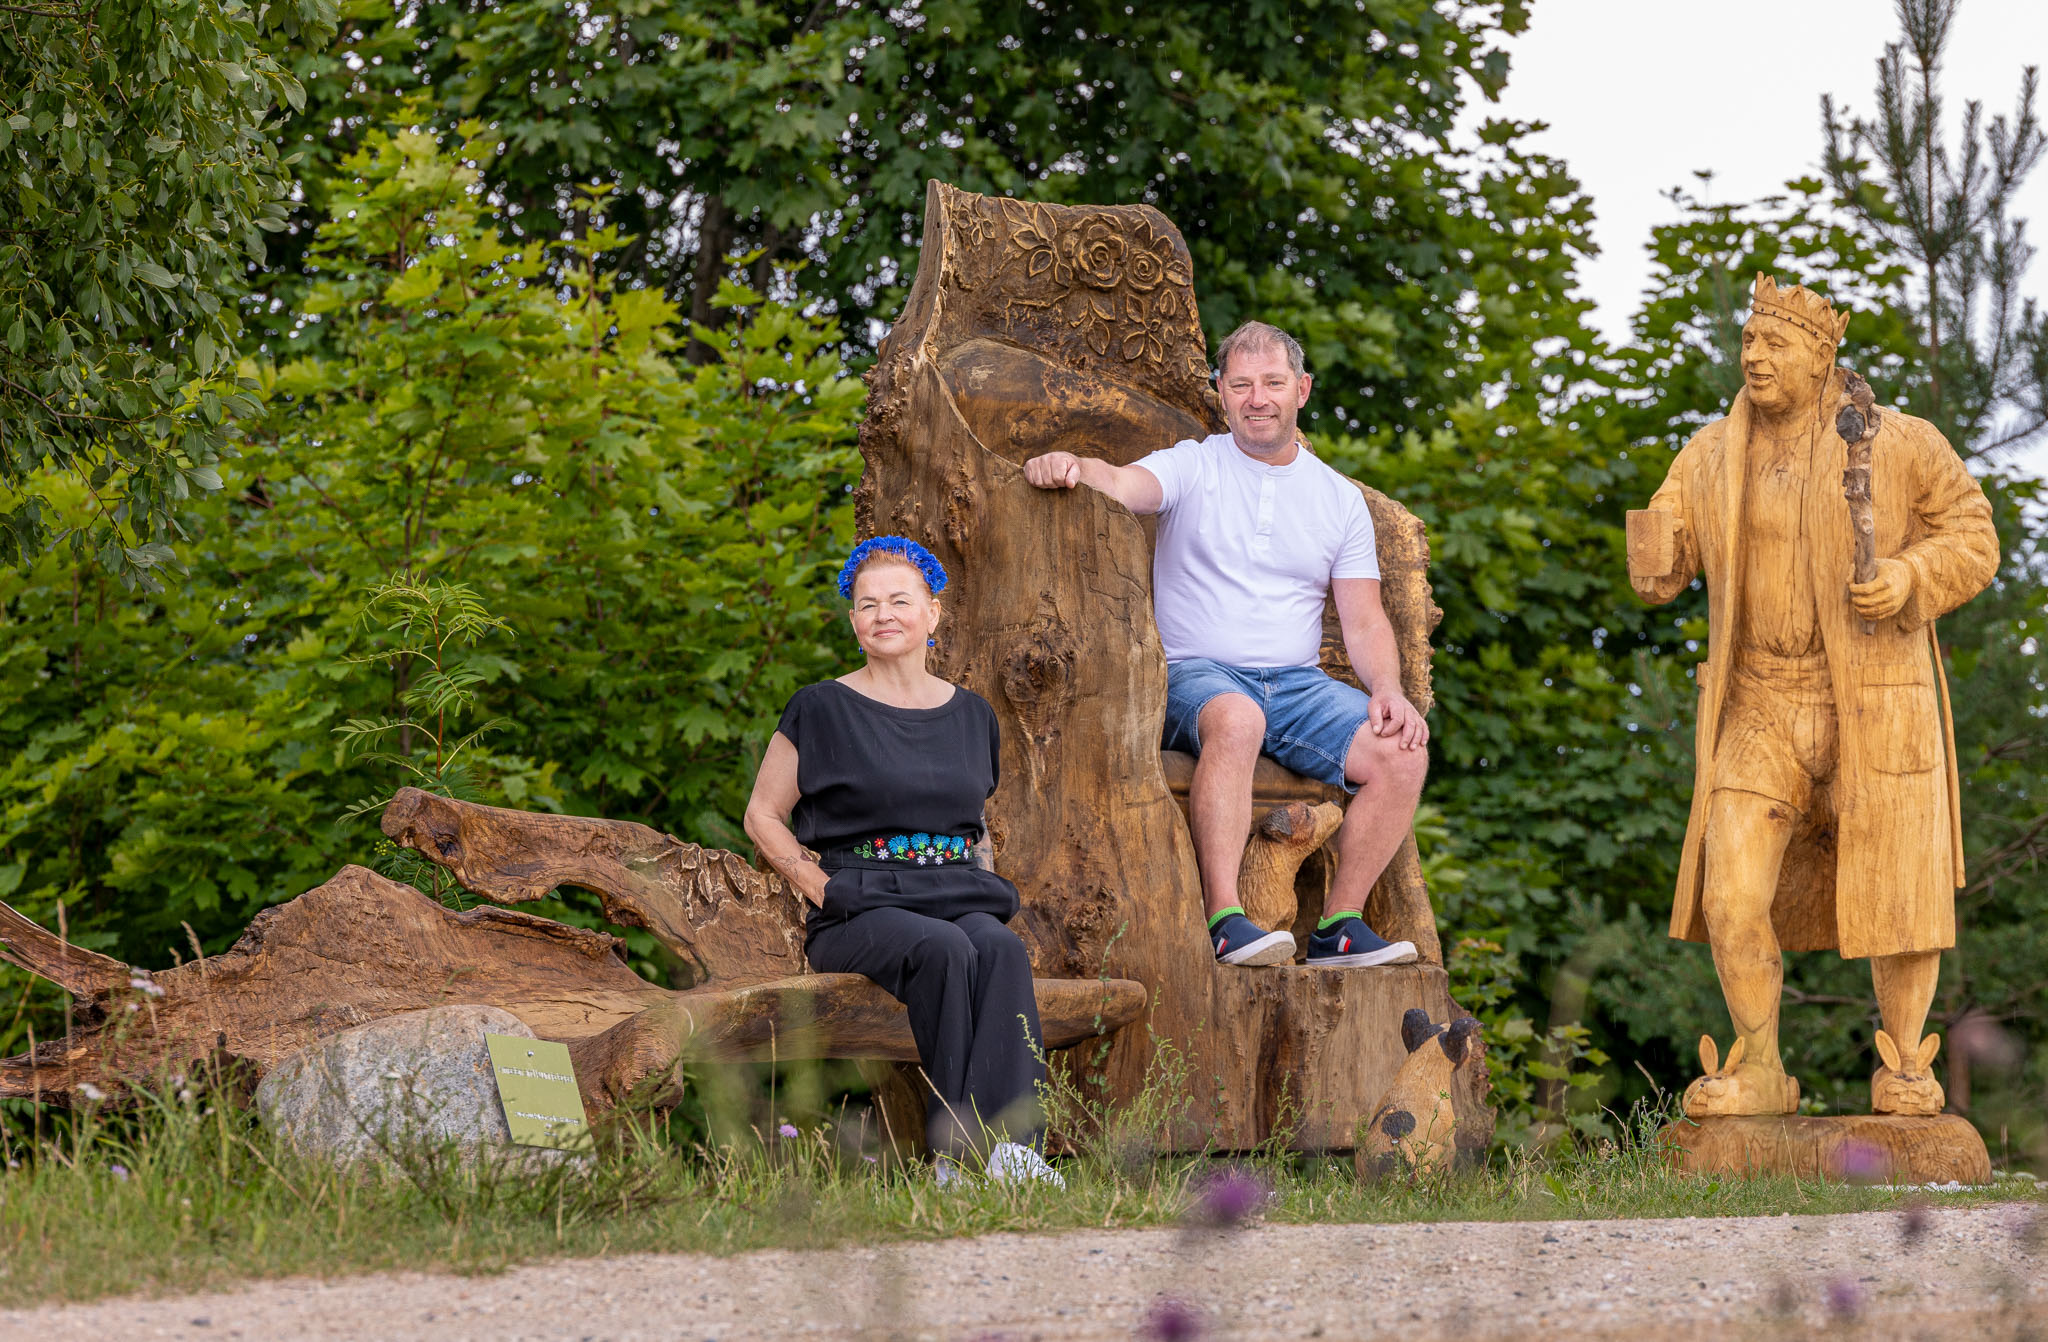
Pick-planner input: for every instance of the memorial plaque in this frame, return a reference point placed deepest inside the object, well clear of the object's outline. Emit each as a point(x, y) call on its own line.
point(537, 1086)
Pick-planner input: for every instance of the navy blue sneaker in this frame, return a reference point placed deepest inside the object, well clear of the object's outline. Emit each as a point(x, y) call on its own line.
point(1239, 941)
point(1352, 945)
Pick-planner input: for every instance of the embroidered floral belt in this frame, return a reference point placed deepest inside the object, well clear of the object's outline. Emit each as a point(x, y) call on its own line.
point(924, 850)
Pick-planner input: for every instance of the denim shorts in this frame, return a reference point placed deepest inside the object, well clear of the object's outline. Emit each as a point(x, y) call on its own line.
point(1310, 718)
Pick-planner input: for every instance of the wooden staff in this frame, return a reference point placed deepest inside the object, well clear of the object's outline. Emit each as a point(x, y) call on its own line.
point(1856, 423)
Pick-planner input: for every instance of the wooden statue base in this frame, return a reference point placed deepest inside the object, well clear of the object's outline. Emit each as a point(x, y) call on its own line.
point(1862, 1148)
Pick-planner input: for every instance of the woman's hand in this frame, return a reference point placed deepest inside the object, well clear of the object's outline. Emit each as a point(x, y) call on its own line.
point(767, 822)
point(809, 879)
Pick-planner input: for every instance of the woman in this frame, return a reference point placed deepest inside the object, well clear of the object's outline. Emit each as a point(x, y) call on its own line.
point(888, 771)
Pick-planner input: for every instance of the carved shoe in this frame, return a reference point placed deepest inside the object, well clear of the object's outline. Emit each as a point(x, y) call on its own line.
point(1352, 945)
point(1240, 941)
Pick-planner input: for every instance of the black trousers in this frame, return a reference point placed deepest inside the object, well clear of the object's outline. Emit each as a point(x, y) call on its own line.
point(967, 983)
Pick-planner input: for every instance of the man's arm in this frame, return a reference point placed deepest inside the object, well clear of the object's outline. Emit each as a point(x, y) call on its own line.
point(1663, 545)
point(1369, 639)
point(1957, 555)
point(1133, 486)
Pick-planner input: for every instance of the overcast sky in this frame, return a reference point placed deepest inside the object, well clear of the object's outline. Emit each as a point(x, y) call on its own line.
point(1640, 95)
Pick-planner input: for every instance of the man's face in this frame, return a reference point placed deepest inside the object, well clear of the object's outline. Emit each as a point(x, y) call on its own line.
point(1782, 365)
point(1262, 397)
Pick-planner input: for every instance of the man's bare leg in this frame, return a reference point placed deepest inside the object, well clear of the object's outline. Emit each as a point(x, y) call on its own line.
point(1905, 991)
point(1220, 799)
point(1378, 818)
point(1745, 845)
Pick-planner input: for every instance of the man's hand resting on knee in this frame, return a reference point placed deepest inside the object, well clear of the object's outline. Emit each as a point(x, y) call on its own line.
point(1390, 714)
point(1133, 486)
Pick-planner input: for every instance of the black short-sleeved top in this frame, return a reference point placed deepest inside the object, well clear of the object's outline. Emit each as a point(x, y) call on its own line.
point(892, 801)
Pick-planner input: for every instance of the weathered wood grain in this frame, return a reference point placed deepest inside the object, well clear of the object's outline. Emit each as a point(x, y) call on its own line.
point(1864, 1148)
point(732, 923)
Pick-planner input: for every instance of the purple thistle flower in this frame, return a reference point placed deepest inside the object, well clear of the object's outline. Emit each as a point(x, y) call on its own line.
point(1227, 1198)
point(788, 1131)
point(1913, 1223)
point(1864, 1163)
point(1171, 1320)
point(118, 1171)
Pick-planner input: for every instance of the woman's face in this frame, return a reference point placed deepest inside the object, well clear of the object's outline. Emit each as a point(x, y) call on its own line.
point(893, 612)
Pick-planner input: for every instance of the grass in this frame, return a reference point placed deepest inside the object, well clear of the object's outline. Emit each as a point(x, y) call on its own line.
point(182, 1194)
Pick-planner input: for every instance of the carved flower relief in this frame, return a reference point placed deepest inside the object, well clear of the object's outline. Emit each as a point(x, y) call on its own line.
point(1094, 253)
point(972, 260)
point(1151, 260)
point(1034, 234)
point(1117, 286)
point(972, 223)
point(1148, 325)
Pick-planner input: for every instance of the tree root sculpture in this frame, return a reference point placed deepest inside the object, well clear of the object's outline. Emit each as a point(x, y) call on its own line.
point(360, 947)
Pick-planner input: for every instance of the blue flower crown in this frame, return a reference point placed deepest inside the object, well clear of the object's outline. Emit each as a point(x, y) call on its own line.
point(926, 562)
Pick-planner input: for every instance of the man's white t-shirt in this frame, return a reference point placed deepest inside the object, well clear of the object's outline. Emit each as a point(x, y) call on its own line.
point(1246, 552)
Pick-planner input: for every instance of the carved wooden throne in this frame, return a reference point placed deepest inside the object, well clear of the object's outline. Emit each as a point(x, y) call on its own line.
point(1033, 327)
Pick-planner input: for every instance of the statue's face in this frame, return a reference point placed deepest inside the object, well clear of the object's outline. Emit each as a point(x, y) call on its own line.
point(1262, 399)
point(1782, 366)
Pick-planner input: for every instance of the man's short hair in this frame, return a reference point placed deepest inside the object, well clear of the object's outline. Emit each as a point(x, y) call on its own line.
point(1255, 336)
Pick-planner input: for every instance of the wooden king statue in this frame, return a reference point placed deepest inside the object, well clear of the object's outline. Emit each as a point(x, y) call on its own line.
point(1824, 809)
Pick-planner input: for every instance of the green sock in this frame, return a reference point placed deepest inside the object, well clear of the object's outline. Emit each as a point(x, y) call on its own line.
point(1331, 921)
point(1221, 914)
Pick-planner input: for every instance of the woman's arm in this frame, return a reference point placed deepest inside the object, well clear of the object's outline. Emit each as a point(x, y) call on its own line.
point(767, 821)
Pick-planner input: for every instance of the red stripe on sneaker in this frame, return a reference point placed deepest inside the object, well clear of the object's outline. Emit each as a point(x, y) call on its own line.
point(1344, 945)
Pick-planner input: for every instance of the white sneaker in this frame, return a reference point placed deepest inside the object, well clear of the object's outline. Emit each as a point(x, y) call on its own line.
point(1012, 1162)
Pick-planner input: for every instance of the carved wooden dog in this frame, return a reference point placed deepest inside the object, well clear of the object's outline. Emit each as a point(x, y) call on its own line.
point(1414, 1126)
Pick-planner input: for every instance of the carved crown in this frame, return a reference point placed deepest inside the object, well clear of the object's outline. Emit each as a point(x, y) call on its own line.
point(1800, 306)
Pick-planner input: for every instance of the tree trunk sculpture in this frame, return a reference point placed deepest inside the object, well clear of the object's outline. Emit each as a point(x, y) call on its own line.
point(1033, 327)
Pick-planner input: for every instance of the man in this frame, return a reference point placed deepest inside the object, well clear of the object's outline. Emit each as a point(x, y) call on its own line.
point(1809, 725)
point(1254, 535)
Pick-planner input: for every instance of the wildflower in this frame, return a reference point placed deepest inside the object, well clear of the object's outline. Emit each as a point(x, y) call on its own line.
point(91, 1092)
point(1864, 1163)
point(143, 984)
point(1225, 1199)
point(1844, 1298)
point(1171, 1320)
point(787, 1130)
point(118, 1171)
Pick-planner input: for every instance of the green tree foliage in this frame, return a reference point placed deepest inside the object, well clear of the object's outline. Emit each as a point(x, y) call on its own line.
point(1303, 149)
point(136, 178)
point(659, 539)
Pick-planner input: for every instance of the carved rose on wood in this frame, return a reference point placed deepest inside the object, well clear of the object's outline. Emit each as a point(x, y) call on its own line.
point(1095, 253)
point(1108, 282)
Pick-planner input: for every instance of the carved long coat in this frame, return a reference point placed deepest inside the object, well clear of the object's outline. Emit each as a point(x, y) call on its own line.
point(1878, 877)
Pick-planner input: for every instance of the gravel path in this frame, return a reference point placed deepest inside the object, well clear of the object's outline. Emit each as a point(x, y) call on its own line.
point(1973, 1273)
